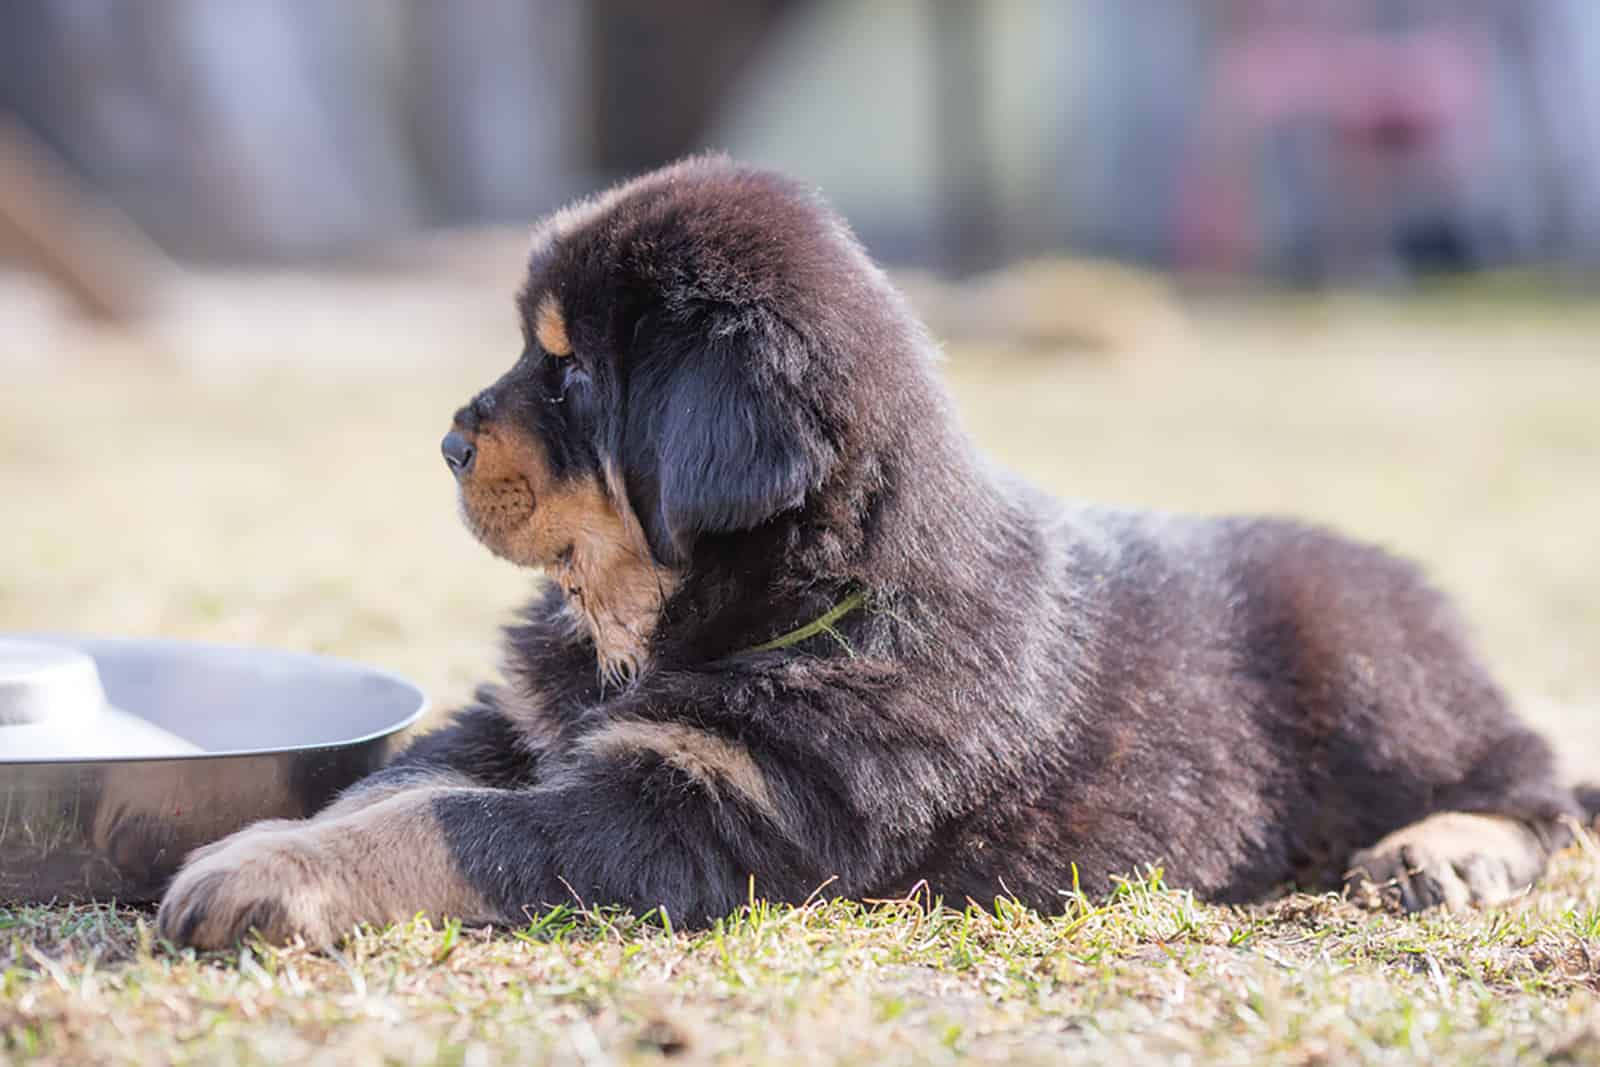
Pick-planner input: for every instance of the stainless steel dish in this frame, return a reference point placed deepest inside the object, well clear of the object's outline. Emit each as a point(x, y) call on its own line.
point(225, 736)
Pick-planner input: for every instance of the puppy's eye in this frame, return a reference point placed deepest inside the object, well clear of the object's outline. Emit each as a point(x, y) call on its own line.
point(562, 374)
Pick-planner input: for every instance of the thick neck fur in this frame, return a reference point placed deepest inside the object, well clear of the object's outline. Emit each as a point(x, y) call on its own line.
point(616, 592)
point(876, 527)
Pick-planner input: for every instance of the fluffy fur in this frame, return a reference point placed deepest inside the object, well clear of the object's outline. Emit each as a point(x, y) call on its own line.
point(725, 422)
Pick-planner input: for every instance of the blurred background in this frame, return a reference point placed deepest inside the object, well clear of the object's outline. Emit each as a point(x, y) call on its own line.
point(1326, 257)
point(1315, 140)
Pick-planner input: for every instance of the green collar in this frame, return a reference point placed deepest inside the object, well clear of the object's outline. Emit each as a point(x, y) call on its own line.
point(821, 624)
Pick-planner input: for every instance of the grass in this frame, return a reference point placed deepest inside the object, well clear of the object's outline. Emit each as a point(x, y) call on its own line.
point(1148, 973)
point(306, 507)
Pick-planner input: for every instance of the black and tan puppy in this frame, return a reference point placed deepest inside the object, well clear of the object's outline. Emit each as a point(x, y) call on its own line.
point(799, 630)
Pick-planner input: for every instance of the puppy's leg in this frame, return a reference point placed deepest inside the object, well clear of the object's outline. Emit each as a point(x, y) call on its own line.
point(1488, 836)
point(383, 861)
point(374, 854)
point(638, 814)
point(650, 814)
point(1451, 859)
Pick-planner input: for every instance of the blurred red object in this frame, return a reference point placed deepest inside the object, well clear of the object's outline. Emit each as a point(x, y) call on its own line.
point(1399, 98)
point(1370, 84)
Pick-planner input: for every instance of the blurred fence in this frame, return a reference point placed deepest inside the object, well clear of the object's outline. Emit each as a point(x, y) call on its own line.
point(1316, 139)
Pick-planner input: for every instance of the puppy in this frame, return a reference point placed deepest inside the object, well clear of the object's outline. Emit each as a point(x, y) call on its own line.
point(797, 630)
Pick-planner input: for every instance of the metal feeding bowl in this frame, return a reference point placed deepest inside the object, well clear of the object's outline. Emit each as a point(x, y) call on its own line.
point(119, 756)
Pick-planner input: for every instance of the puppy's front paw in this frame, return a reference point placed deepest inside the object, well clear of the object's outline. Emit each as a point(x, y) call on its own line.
point(1449, 860)
point(277, 879)
point(382, 863)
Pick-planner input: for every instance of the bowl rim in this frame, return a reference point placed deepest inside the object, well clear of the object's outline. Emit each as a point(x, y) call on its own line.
point(82, 642)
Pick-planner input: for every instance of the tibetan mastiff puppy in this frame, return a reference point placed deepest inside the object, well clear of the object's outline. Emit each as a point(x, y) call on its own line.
point(797, 631)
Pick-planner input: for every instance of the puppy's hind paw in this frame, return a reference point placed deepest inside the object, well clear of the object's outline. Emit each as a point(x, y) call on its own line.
point(1451, 860)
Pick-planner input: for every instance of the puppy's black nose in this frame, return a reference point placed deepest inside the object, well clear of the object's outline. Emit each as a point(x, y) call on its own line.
point(458, 453)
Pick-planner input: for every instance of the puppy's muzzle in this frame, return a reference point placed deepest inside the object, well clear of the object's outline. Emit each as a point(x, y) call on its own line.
point(459, 454)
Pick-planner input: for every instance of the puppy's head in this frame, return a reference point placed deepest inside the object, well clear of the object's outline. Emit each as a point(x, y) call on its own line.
point(687, 339)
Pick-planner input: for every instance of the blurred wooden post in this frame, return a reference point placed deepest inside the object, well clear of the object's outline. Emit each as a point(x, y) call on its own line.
point(74, 238)
point(969, 205)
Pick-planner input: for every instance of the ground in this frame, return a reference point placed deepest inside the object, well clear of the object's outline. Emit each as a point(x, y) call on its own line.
point(302, 503)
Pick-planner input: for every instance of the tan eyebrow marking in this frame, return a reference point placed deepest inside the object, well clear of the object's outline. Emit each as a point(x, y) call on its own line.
point(550, 327)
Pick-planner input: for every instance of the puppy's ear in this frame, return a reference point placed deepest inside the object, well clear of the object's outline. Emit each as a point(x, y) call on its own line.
point(715, 441)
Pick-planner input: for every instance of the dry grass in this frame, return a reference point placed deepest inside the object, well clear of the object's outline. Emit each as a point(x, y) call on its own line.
point(307, 508)
point(1147, 974)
